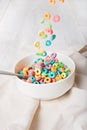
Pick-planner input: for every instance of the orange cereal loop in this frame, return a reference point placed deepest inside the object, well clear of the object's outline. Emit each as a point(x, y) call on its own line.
point(47, 80)
point(71, 70)
point(25, 73)
point(58, 77)
point(61, 1)
point(53, 69)
point(25, 69)
point(47, 15)
point(52, 1)
point(62, 69)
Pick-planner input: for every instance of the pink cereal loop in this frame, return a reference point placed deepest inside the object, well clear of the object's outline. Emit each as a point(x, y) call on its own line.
point(56, 18)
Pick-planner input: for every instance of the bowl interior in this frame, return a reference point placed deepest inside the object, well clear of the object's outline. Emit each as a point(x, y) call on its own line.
point(31, 58)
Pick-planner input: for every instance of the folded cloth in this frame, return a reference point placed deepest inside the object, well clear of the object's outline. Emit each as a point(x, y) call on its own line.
point(16, 110)
point(69, 112)
point(19, 112)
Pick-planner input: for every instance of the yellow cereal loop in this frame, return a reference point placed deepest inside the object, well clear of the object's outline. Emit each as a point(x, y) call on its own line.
point(37, 71)
point(63, 75)
point(41, 33)
point(58, 77)
point(37, 44)
point(47, 15)
point(43, 76)
point(54, 65)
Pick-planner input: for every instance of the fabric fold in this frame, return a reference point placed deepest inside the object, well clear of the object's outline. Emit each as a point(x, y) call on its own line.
point(16, 110)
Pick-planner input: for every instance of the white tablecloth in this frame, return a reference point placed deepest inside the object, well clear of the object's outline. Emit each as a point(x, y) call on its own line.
point(19, 25)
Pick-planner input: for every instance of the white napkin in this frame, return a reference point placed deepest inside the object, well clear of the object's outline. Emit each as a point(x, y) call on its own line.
point(18, 112)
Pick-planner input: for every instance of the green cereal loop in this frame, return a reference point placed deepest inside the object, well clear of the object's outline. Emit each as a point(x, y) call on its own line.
point(45, 36)
point(42, 20)
point(61, 64)
point(49, 25)
point(67, 70)
point(39, 54)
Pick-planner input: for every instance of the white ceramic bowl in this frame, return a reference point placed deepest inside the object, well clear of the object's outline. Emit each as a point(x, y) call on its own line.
point(45, 91)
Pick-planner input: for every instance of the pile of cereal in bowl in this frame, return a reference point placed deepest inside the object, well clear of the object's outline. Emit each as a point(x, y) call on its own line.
point(45, 70)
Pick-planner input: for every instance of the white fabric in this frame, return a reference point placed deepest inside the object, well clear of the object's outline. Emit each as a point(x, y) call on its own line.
point(18, 112)
point(19, 25)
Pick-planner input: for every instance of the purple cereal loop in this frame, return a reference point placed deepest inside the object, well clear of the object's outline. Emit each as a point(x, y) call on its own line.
point(48, 66)
point(65, 66)
point(53, 55)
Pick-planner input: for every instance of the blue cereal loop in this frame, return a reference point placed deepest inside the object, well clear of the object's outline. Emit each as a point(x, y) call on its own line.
point(44, 54)
point(45, 62)
point(44, 70)
point(52, 37)
point(51, 74)
point(36, 82)
point(20, 72)
point(48, 43)
point(39, 59)
point(32, 78)
point(51, 62)
point(59, 71)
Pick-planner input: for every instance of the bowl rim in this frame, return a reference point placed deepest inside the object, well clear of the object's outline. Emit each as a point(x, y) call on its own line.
point(49, 84)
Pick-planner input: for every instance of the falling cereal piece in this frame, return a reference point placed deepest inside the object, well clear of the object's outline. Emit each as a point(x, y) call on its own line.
point(52, 2)
point(41, 33)
point(39, 54)
point(62, 1)
point(44, 53)
point(52, 37)
point(48, 43)
point(49, 25)
point(37, 44)
point(56, 18)
point(42, 20)
point(49, 30)
point(47, 15)
point(41, 50)
point(45, 36)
